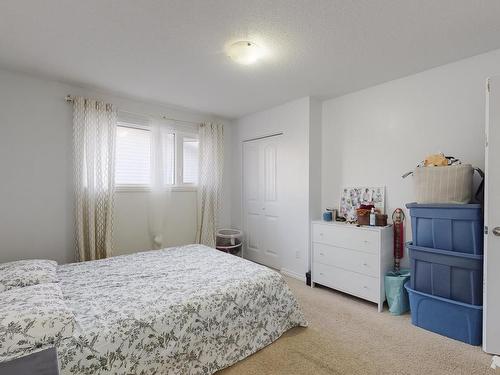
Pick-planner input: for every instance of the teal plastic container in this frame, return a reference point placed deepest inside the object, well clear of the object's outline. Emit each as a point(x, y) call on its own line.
point(396, 294)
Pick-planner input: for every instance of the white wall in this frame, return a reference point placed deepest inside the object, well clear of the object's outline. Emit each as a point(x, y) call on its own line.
point(36, 217)
point(36, 195)
point(315, 147)
point(315, 172)
point(373, 136)
point(293, 119)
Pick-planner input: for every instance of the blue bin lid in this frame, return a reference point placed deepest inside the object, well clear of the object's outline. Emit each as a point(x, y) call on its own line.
point(443, 205)
point(410, 246)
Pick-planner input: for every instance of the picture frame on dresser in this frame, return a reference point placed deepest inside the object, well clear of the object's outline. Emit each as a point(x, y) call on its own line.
point(352, 197)
point(352, 259)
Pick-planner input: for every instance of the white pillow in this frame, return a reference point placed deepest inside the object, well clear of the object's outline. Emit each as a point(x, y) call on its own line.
point(33, 318)
point(23, 273)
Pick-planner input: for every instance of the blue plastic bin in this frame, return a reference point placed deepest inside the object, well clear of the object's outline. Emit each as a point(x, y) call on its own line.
point(447, 274)
point(456, 320)
point(453, 227)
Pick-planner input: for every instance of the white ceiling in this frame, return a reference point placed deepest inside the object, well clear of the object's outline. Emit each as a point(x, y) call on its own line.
point(173, 51)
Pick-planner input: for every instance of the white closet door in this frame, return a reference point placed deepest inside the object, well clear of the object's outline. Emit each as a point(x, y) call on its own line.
point(261, 204)
point(491, 317)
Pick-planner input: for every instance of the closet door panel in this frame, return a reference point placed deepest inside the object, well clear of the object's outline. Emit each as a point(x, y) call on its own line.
point(261, 207)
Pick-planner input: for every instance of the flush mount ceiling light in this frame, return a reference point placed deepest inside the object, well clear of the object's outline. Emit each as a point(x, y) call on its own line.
point(244, 52)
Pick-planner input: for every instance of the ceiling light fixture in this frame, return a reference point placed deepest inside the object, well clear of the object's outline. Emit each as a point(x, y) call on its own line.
point(244, 52)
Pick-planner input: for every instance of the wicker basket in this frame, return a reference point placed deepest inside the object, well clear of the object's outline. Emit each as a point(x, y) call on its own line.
point(363, 216)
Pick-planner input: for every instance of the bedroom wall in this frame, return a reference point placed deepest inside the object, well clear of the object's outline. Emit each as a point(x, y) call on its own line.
point(315, 172)
point(373, 136)
point(36, 196)
point(294, 120)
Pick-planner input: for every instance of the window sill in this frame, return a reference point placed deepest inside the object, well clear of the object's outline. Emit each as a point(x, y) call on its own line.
point(147, 189)
point(182, 188)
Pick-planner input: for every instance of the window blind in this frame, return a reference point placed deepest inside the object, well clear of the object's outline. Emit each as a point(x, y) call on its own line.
point(133, 156)
point(190, 152)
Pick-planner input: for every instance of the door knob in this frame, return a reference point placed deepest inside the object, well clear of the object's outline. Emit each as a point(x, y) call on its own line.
point(496, 231)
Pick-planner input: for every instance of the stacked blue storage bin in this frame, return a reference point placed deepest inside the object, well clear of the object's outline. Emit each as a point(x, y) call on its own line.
point(446, 257)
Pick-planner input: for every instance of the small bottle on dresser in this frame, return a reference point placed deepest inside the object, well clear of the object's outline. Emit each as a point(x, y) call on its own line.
point(372, 217)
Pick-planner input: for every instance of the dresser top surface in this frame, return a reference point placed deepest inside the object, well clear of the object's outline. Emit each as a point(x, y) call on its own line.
point(354, 226)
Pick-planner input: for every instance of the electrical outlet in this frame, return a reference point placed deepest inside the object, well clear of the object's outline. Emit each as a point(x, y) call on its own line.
point(297, 254)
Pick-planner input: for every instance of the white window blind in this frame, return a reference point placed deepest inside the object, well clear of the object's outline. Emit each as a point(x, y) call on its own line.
point(168, 144)
point(190, 160)
point(133, 156)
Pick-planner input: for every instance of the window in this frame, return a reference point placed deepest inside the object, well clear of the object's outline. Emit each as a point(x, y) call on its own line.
point(133, 157)
point(190, 160)
point(137, 148)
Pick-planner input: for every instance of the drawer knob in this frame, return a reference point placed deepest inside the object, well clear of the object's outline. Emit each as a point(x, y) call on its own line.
point(321, 234)
point(365, 287)
point(321, 254)
point(366, 241)
point(364, 264)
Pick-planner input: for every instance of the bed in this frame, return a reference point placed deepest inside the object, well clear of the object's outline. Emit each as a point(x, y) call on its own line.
point(183, 310)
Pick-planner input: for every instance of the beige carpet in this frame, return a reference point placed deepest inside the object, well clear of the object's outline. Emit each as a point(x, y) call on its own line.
point(348, 336)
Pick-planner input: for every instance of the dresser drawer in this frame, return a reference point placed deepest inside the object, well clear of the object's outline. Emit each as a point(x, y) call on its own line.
point(364, 263)
point(346, 237)
point(363, 286)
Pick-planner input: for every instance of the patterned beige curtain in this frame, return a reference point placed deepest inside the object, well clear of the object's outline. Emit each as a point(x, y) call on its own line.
point(210, 181)
point(94, 138)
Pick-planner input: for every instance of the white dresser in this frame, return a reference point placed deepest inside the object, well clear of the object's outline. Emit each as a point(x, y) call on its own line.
point(352, 259)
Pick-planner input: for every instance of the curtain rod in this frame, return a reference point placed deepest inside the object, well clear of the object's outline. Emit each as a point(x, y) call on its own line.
point(177, 120)
point(263, 137)
point(70, 99)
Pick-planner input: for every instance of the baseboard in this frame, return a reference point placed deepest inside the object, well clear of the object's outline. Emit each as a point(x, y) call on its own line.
point(295, 275)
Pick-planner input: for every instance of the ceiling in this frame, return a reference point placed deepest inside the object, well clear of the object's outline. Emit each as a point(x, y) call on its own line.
point(172, 51)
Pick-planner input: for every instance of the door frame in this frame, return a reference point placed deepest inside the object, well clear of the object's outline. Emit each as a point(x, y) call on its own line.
point(488, 229)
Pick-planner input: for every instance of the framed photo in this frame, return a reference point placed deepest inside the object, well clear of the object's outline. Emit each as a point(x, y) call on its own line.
point(351, 198)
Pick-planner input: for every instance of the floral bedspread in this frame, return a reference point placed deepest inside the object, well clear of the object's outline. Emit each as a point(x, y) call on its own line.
point(184, 310)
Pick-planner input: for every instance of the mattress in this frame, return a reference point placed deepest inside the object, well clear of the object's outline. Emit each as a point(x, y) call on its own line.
point(182, 310)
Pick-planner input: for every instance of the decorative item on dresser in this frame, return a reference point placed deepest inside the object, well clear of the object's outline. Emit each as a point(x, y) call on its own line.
point(352, 259)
